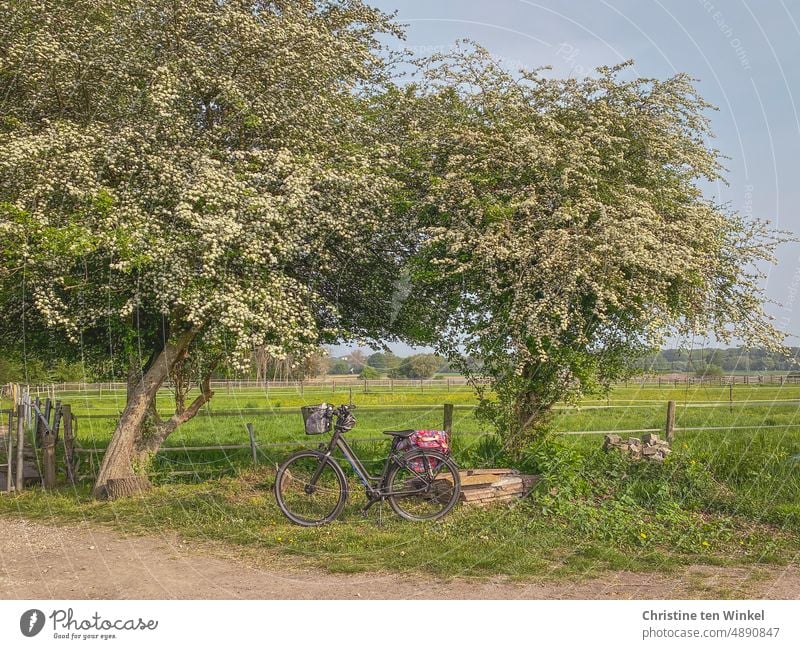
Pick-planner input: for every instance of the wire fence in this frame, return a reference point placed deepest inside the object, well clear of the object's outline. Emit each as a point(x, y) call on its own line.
point(345, 383)
point(267, 451)
point(256, 447)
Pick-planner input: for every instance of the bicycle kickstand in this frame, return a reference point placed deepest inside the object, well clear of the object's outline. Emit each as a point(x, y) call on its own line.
point(370, 503)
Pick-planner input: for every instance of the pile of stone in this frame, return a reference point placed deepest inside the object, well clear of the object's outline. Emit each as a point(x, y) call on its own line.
point(649, 447)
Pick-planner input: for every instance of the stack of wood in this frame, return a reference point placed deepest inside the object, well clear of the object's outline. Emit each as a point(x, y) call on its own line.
point(483, 487)
point(649, 447)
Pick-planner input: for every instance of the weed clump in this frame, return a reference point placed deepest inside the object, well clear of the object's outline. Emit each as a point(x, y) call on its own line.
point(669, 506)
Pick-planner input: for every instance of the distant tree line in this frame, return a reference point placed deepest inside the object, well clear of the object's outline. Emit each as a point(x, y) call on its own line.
point(38, 368)
point(379, 365)
point(713, 361)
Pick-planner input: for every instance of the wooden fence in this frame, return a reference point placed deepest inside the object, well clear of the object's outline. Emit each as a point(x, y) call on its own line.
point(29, 433)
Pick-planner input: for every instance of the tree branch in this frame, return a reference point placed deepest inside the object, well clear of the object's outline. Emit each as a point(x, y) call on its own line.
point(166, 428)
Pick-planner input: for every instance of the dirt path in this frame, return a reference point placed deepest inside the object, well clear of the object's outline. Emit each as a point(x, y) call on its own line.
point(86, 562)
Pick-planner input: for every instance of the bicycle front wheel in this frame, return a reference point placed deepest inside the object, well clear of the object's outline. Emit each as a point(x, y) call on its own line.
point(310, 488)
point(424, 487)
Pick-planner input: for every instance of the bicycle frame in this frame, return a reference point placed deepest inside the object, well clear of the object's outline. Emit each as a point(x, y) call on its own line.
point(375, 485)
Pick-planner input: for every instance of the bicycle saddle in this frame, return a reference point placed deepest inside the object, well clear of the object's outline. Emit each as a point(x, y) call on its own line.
point(399, 433)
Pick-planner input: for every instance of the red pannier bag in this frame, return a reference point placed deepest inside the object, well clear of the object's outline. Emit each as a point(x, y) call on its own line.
point(438, 440)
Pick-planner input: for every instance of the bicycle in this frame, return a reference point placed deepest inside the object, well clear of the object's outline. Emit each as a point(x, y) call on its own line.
point(311, 488)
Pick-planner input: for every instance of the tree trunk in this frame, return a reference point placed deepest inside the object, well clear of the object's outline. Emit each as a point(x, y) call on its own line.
point(121, 456)
point(119, 487)
point(148, 446)
point(530, 413)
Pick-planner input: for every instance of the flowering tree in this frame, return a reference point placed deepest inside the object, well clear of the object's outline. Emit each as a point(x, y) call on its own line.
point(564, 231)
point(182, 182)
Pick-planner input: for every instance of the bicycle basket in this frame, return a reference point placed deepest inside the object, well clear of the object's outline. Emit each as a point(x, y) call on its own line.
point(317, 419)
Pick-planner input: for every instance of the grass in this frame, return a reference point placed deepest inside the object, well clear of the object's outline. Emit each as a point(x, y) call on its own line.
point(726, 496)
point(532, 538)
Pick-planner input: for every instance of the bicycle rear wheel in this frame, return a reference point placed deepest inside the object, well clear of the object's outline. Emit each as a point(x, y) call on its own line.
point(424, 487)
point(302, 498)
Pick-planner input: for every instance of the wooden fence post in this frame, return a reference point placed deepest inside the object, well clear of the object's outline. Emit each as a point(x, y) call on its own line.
point(49, 459)
point(41, 424)
point(670, 428)
point(26, 401)
point(252, 435)
point(49, 442)
point(20, 446)
point(448, 417)
point(48, 406)
point(10, 450)
point(69, 442)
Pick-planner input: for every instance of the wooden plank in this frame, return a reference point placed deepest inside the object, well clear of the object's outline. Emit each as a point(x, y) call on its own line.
point(482, 476)
point(482, 494)
point(485, 479)
point(509, 482)
point(487, 471)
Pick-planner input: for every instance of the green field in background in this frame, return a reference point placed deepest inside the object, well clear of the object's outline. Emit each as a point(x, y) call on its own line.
point(276, 417)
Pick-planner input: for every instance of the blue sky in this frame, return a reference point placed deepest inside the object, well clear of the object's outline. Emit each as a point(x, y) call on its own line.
point(745, 56)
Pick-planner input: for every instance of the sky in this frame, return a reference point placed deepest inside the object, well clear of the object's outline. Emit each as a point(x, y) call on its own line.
point(745, 57)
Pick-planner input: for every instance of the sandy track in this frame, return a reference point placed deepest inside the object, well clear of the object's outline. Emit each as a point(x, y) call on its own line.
point(87, 562)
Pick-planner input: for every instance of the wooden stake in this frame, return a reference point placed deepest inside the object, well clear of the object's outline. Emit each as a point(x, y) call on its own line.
point(20, 445)
point(10, 449)
point(41, 423)
point(670, 428)
point(69, 441)
point(448, 417)
point(49, 460)
point(252, 435)
point(48, 405)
